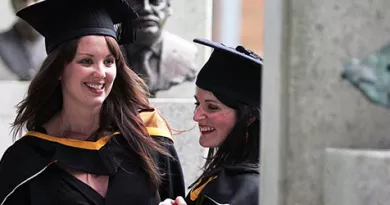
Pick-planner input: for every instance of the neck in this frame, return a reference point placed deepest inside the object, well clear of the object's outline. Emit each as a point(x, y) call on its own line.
point(144, 40)
point(78, 123)
point(26, 32)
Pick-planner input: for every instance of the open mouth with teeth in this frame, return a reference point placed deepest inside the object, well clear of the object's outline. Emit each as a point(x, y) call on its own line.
point(95, 88)
point(206, 129)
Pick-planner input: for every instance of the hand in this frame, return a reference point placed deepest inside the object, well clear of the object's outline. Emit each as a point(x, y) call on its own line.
point(178, 201)
point(167, 202)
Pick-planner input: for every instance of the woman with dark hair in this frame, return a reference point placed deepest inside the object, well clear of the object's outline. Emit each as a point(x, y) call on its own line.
point(92, 136)
point(228, 114)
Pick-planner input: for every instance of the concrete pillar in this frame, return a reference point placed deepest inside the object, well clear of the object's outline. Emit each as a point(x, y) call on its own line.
point(306, 105)
point(227, 21)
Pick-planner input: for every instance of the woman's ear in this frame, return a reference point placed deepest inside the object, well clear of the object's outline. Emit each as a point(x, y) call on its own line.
point(63, 70)
point(251, 120)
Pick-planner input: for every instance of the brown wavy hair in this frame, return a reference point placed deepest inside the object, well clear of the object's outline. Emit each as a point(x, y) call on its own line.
point(120, 110)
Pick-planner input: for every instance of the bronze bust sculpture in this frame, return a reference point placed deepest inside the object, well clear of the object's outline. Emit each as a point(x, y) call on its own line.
point(163, 59)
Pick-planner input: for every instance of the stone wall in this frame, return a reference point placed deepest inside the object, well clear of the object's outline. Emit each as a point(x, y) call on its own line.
point(307, 107)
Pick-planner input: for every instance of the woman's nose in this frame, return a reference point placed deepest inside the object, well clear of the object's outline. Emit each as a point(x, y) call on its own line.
point(100, 71)
point(199, 114)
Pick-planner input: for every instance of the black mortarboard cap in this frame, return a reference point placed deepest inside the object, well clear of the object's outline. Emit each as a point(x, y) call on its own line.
point(62, 20)
point(235, 73)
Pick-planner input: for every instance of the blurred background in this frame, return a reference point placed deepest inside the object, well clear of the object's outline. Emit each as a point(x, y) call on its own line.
point(231, 22)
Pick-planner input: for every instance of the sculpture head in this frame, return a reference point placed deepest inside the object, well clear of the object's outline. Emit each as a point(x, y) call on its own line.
point(152, 17)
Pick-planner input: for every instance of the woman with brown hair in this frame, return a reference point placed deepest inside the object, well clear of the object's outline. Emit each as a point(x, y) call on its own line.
point(88, 117)
point(227, 110)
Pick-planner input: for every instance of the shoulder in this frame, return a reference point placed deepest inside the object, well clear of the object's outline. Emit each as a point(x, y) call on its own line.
point(21, 147)
point(178, 55)
point(27, 151)
point(5, 72)
point(233, 185)
point(238, 178)
point(155, 124)
point(19, 162)
point(5, 35)
point(176, 43)
point(8, 37)
point(7, 41)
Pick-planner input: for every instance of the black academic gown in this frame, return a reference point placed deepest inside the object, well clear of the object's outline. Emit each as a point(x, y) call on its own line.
point(234, 185)
point(31, 170)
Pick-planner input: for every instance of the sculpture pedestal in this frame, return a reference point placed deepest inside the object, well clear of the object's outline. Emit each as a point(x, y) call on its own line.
point(356, 177)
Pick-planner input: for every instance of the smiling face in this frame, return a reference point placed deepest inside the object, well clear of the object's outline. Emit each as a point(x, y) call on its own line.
point(215, 119)
point(87, 80)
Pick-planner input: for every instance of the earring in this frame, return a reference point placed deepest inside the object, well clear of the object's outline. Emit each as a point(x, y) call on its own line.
point(246, 136)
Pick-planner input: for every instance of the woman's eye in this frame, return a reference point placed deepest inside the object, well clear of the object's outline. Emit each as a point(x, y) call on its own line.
point(109, 61)
point(86, 61)
point(212, 107)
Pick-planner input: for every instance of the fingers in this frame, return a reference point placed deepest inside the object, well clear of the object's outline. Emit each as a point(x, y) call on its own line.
point(180, 201)
point(167, 202)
